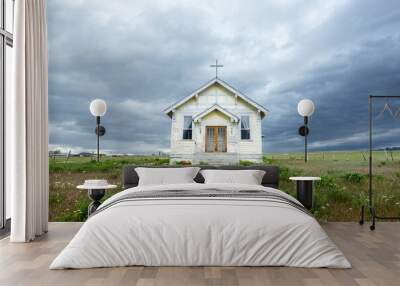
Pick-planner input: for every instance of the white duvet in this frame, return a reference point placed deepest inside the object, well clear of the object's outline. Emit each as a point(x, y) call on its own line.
point(200, 231)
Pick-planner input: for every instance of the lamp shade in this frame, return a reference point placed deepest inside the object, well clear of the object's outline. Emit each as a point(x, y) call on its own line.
point(305, 107)
point(98, 107)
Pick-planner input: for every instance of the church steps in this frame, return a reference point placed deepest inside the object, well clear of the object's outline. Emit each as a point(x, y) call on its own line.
point(216, 158)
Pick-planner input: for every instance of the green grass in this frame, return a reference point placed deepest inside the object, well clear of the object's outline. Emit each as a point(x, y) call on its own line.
point(107, 163)
point(69, 204)
point(344, 185)
point(338, 196)
point(340, 156)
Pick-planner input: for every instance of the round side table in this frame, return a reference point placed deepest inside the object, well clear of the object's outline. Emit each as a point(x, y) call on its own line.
point(95, 193)
point(305, 190)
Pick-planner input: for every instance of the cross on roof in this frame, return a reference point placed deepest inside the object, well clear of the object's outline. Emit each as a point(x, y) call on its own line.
point(216, 66)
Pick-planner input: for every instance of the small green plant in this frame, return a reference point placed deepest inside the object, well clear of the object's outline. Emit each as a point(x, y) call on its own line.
point(327, 183)
point(78, 213)
point(245, 163)
point(378, 178)
point(285, 173)
point(267, 160)
point(338, 195)
point(354, 177)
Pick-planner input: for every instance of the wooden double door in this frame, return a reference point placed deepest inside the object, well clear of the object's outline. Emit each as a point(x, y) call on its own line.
point(216, 139)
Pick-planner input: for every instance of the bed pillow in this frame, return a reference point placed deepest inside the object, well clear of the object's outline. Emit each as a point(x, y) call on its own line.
point(166, 176)
point(248, 177)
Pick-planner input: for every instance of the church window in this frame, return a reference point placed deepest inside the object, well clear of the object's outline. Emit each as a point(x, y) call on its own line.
point(187, 128)
point(245, 127)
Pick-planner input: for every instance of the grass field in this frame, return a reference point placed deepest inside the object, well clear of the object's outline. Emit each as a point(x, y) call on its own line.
point(338, 196)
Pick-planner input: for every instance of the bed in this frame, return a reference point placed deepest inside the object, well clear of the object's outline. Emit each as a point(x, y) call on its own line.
point(198, 224)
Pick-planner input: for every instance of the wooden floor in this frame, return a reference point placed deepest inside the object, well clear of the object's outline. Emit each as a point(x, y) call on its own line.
point(375, 257)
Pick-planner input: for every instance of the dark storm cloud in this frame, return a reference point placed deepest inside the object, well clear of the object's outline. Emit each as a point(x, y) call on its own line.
point(141, 57)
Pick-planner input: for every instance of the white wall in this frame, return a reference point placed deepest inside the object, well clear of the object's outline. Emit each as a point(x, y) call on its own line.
point(253, 146)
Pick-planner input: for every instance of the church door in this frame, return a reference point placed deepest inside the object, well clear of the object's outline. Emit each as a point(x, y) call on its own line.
point(216, 139)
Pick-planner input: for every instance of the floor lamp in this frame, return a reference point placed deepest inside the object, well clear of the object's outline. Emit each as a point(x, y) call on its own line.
point(98, 108)
point(305, 108)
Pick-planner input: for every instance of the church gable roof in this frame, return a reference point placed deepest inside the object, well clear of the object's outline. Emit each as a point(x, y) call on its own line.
point(204, 113)
point(242, 96)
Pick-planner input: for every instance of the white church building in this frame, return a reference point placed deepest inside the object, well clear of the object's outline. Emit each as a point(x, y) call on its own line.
point(216, 124)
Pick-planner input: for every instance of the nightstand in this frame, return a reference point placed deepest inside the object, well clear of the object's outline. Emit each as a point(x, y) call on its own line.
point(96, 190)
point(305, 190)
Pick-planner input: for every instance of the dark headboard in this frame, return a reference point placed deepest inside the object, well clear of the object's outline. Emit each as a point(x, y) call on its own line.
point(130, 178)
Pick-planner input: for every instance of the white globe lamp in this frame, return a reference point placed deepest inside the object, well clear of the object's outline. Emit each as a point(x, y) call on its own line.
point(98, 108)
point(305, 108)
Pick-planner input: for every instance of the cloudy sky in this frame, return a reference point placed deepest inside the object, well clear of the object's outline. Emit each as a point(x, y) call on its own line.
point(141, 56)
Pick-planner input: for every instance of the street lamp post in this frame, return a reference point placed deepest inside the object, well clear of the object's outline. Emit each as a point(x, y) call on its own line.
point(98, 108)
point(305, 108)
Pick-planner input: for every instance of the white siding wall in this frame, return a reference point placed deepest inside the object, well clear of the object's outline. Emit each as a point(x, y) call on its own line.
point(216, 94)
point(183, 148)
point(252, 148)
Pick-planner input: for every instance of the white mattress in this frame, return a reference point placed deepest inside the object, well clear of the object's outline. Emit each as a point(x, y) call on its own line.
point(202, 232)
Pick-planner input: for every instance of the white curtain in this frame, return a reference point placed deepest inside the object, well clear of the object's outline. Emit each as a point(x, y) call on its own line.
point(27, 122)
